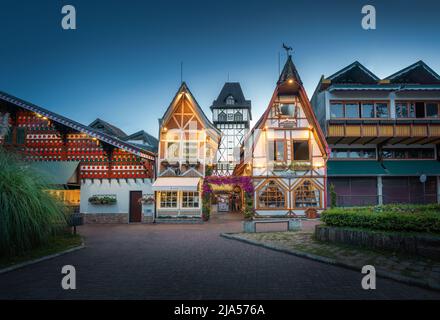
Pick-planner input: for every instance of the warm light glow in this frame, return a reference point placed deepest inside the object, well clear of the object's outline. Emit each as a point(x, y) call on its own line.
point(44, 118)
point(318, 164)
point(290, 81)
point(165, 129)
point(94, 139)
point(39, 115)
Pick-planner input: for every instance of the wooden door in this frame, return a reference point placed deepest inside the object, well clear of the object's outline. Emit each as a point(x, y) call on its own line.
point(135, 206)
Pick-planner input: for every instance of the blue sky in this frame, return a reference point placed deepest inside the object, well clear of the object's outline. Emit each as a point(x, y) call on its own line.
point(122, 64)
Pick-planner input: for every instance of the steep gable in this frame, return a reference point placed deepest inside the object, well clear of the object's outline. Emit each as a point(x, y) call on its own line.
point(417, 73)
point(354, 73)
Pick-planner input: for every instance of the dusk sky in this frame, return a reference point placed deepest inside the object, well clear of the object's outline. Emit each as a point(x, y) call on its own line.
point(122, 64)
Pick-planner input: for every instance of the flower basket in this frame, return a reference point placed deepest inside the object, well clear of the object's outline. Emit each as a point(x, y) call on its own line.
point(311, 213)
point(103, 200)
point(147, 199)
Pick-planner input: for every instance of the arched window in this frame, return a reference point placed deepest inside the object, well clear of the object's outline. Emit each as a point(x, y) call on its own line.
point(271, 196)
point(238, 116)
point(230, 100)
point(222, 117)
point(306, 194)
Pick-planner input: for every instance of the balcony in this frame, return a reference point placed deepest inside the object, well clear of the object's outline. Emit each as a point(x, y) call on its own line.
point(383, 131)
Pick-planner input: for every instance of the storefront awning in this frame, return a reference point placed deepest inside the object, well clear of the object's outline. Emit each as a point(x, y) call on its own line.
point(176, 183)
point(412, 167)
point(354, 168)
point(57, 172)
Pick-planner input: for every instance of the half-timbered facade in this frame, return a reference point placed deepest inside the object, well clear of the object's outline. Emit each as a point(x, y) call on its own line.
point(188, 142)
point(100, 174)
point(383, 134)
point(231, 114)
point(285, 153)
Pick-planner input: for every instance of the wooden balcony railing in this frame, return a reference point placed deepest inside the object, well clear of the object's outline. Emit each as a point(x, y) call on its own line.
point(393, 132)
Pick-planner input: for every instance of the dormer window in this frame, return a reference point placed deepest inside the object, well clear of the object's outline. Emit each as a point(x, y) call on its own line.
point(222, 117)
point(238, 116)
point(230, 100)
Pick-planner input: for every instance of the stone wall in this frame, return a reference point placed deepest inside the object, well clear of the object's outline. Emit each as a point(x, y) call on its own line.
point(98, 218)
point(424, 245)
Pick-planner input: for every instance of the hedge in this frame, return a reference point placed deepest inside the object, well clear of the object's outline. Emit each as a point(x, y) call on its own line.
point(406, 218)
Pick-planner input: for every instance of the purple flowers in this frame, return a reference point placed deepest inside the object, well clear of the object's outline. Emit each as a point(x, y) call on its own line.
point(242, 181)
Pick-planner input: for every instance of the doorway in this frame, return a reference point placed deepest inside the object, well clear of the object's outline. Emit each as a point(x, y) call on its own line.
point(135, 214)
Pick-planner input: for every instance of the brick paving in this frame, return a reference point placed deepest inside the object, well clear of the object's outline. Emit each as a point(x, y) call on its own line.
point(190, 262)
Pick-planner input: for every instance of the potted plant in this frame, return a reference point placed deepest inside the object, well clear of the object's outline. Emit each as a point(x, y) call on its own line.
point(311, 213)
point(147, 199)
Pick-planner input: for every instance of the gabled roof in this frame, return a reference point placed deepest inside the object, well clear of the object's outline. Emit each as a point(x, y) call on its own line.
point(146, 140)
point(283, 84)
point(108, 128)
point(231, 89)
point(354, 73)
point(417, 73)
point(183, 89)
point(103, 137)
point(289, 72)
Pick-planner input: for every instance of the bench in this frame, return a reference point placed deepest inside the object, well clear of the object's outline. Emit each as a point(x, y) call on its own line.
point(292, 224)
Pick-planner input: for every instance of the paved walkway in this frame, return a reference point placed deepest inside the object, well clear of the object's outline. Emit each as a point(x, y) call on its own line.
point(190, 262)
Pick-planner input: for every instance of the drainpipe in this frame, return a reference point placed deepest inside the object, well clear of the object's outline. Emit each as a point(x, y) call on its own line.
point(379, 190)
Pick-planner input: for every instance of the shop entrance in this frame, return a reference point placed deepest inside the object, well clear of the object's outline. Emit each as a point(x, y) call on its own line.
point(228, 201)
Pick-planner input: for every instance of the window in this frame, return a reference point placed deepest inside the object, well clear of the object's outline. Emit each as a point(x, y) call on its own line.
point(279, 150)
point(301, 151)
point(352, 110)
point(336, 110)
point(420, 110)
point(401, 110)
point(222, 117)
point(230, 117)
point(271, 196)
point(366, 153)
point(190, 151)
point(431, 110)
point(238, 116)
point(367, 110)
point(173, 150)
point(168, 199)
point(381, 110)
point(413, 153)
point(307, 195)
point(230, 100)
point(190, 199)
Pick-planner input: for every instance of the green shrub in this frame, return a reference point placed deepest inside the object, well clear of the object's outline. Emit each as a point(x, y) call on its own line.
point(416, 218)
point(333, 196)
point(29, 216)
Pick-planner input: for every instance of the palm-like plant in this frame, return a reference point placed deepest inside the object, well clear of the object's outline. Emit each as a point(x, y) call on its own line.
point(28, 214)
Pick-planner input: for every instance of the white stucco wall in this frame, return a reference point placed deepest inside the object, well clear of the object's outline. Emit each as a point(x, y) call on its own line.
point(119, 188)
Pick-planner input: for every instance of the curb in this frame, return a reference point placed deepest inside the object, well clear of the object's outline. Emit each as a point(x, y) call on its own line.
point(380, 272)
point(51, 256)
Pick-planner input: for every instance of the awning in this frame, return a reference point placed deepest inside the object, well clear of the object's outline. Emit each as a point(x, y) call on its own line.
point(176, 183)
point(412, 167)
point(354, 168)
point(57, 172)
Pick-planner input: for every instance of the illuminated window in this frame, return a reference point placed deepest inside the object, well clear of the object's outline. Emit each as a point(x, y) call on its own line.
point(306, 195)
point(271, 196)
point(190, 200)
point(190, 151)
point(168, 199)
point(173, 150)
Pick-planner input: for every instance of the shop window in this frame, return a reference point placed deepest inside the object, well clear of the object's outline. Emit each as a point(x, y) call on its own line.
point(168, 199)
point(190, 199)
point(271, 196)
point(301, 151)
point(306, 195)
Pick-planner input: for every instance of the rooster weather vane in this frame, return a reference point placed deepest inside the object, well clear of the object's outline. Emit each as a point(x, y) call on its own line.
point(288, 49)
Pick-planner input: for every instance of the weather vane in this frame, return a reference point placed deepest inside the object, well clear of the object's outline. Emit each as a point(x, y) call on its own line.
point(288, 49)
